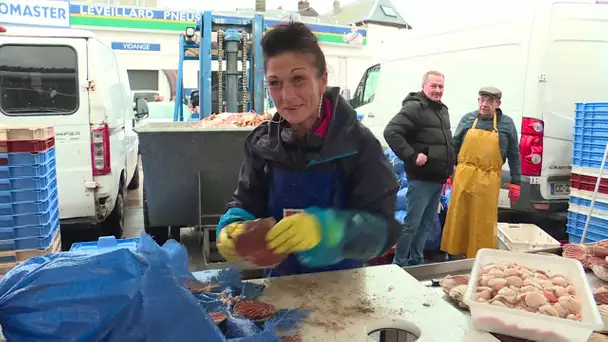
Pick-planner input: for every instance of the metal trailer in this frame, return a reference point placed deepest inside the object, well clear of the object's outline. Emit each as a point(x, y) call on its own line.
point(189, 174)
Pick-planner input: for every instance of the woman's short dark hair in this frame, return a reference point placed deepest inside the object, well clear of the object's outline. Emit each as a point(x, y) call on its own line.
point(293, 37)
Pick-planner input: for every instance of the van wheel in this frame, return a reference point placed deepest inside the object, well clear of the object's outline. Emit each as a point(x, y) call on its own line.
point(159, 234)
point(115, 222)
point(134, 184)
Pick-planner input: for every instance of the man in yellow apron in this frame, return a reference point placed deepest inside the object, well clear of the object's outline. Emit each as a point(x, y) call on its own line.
point(483, 140)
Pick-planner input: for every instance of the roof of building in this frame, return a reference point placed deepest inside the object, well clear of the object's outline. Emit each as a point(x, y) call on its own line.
point(372, 11)
point(280, 14)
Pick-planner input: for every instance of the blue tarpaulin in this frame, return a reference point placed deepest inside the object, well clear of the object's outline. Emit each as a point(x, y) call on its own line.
point(434, 238)
point(125, 295)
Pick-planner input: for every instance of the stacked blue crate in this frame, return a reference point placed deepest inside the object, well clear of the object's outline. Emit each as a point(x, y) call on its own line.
point(590, 139)
point(29, 202)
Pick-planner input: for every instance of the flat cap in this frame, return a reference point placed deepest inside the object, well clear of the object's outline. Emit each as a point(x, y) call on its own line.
point(491, 91)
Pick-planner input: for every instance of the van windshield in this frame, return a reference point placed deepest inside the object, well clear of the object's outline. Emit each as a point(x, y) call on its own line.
point(38, 80)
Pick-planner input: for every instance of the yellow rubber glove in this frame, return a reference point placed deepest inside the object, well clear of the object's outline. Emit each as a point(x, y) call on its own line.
point(225, 241)
point(296, 233)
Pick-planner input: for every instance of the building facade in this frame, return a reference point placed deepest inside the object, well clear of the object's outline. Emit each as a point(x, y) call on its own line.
point(145, 40)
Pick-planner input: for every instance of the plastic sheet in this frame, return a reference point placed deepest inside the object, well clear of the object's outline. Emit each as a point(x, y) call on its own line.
point(79, 296)
point(76, 296)
point(397, 163)
point(402, 178)
point(433, 241)
point(400, 216)
point(401, 199)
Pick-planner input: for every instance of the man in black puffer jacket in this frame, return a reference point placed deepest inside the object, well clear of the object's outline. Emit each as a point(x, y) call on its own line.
point(420, 136)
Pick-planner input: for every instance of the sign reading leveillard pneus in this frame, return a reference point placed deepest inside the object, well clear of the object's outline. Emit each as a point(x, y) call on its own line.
point(166, 20)
point(35, 13)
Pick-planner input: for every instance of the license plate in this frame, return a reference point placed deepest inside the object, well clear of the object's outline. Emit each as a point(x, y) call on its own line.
point(560, 188)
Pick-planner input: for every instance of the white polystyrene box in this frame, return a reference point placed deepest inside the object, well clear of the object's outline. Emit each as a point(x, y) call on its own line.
point(525, 237)
point(528, 325)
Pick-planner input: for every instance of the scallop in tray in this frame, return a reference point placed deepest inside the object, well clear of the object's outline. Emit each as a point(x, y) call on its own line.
point(522, 297)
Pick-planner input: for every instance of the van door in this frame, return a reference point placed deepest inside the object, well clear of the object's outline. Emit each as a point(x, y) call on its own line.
point(363, 99)
point(132, 139)
point(43, 81)
point(576, 71)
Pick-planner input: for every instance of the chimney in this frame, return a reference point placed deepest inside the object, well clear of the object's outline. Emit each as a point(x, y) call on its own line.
point(260, 5)
point(336, 7)
point(303, 5)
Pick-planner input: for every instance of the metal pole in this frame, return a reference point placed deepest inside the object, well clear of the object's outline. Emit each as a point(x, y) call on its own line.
point(595, 191)
point(232, 38)
point(178, 114)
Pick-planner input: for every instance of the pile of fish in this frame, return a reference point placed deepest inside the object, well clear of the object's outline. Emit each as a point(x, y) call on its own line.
point(232, 120)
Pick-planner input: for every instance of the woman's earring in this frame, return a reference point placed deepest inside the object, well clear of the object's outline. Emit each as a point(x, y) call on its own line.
point(320, 106)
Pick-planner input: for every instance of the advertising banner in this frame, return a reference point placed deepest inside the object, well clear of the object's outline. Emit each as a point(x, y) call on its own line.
point(35, 13)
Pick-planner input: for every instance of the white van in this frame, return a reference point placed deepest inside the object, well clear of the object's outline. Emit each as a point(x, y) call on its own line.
point(545, 59)
point(71, 80)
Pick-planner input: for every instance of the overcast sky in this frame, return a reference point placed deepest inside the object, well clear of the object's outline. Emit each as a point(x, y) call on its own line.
point(418, 13)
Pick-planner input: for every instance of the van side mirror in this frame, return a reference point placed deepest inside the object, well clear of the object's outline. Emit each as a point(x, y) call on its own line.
point(141, 109)
point(345, 93)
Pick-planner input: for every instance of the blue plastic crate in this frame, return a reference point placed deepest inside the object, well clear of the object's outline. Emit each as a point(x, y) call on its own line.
point(580, 137)
point(588, 147)
point(104, 244)
point(9, 221)
point(32, 230)
point(585, 162)
point(33, 195)
point(29, 159)
point(595, 131)
point(586, 124)
point(28, 183)
point(592, 115)
point(19, 208)
point(40, 242)
point(576, 238)
point(589, 156)
point(583, 202)
point(591, 106)
point(27, 171)
point(597, 227)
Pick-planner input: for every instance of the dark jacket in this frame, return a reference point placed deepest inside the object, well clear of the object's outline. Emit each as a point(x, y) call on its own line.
point(509, 144)
point(422, 126)
point(349, 146)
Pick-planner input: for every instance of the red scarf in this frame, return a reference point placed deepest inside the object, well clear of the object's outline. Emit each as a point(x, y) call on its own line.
point(324, 125)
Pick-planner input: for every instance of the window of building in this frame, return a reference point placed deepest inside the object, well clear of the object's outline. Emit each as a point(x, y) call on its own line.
point(143, 79)
point(388, 11)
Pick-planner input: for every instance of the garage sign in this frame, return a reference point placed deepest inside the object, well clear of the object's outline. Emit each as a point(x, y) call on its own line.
point(135, 46)
point(35, 13)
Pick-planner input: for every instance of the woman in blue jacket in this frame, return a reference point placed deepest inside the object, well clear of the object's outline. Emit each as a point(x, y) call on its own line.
point(314, 168)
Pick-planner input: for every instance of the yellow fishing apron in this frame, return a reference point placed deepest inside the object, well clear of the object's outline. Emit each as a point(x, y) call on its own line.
point(472, 218)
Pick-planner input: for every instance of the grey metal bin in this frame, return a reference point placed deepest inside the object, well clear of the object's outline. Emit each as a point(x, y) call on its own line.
point(174, 155)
